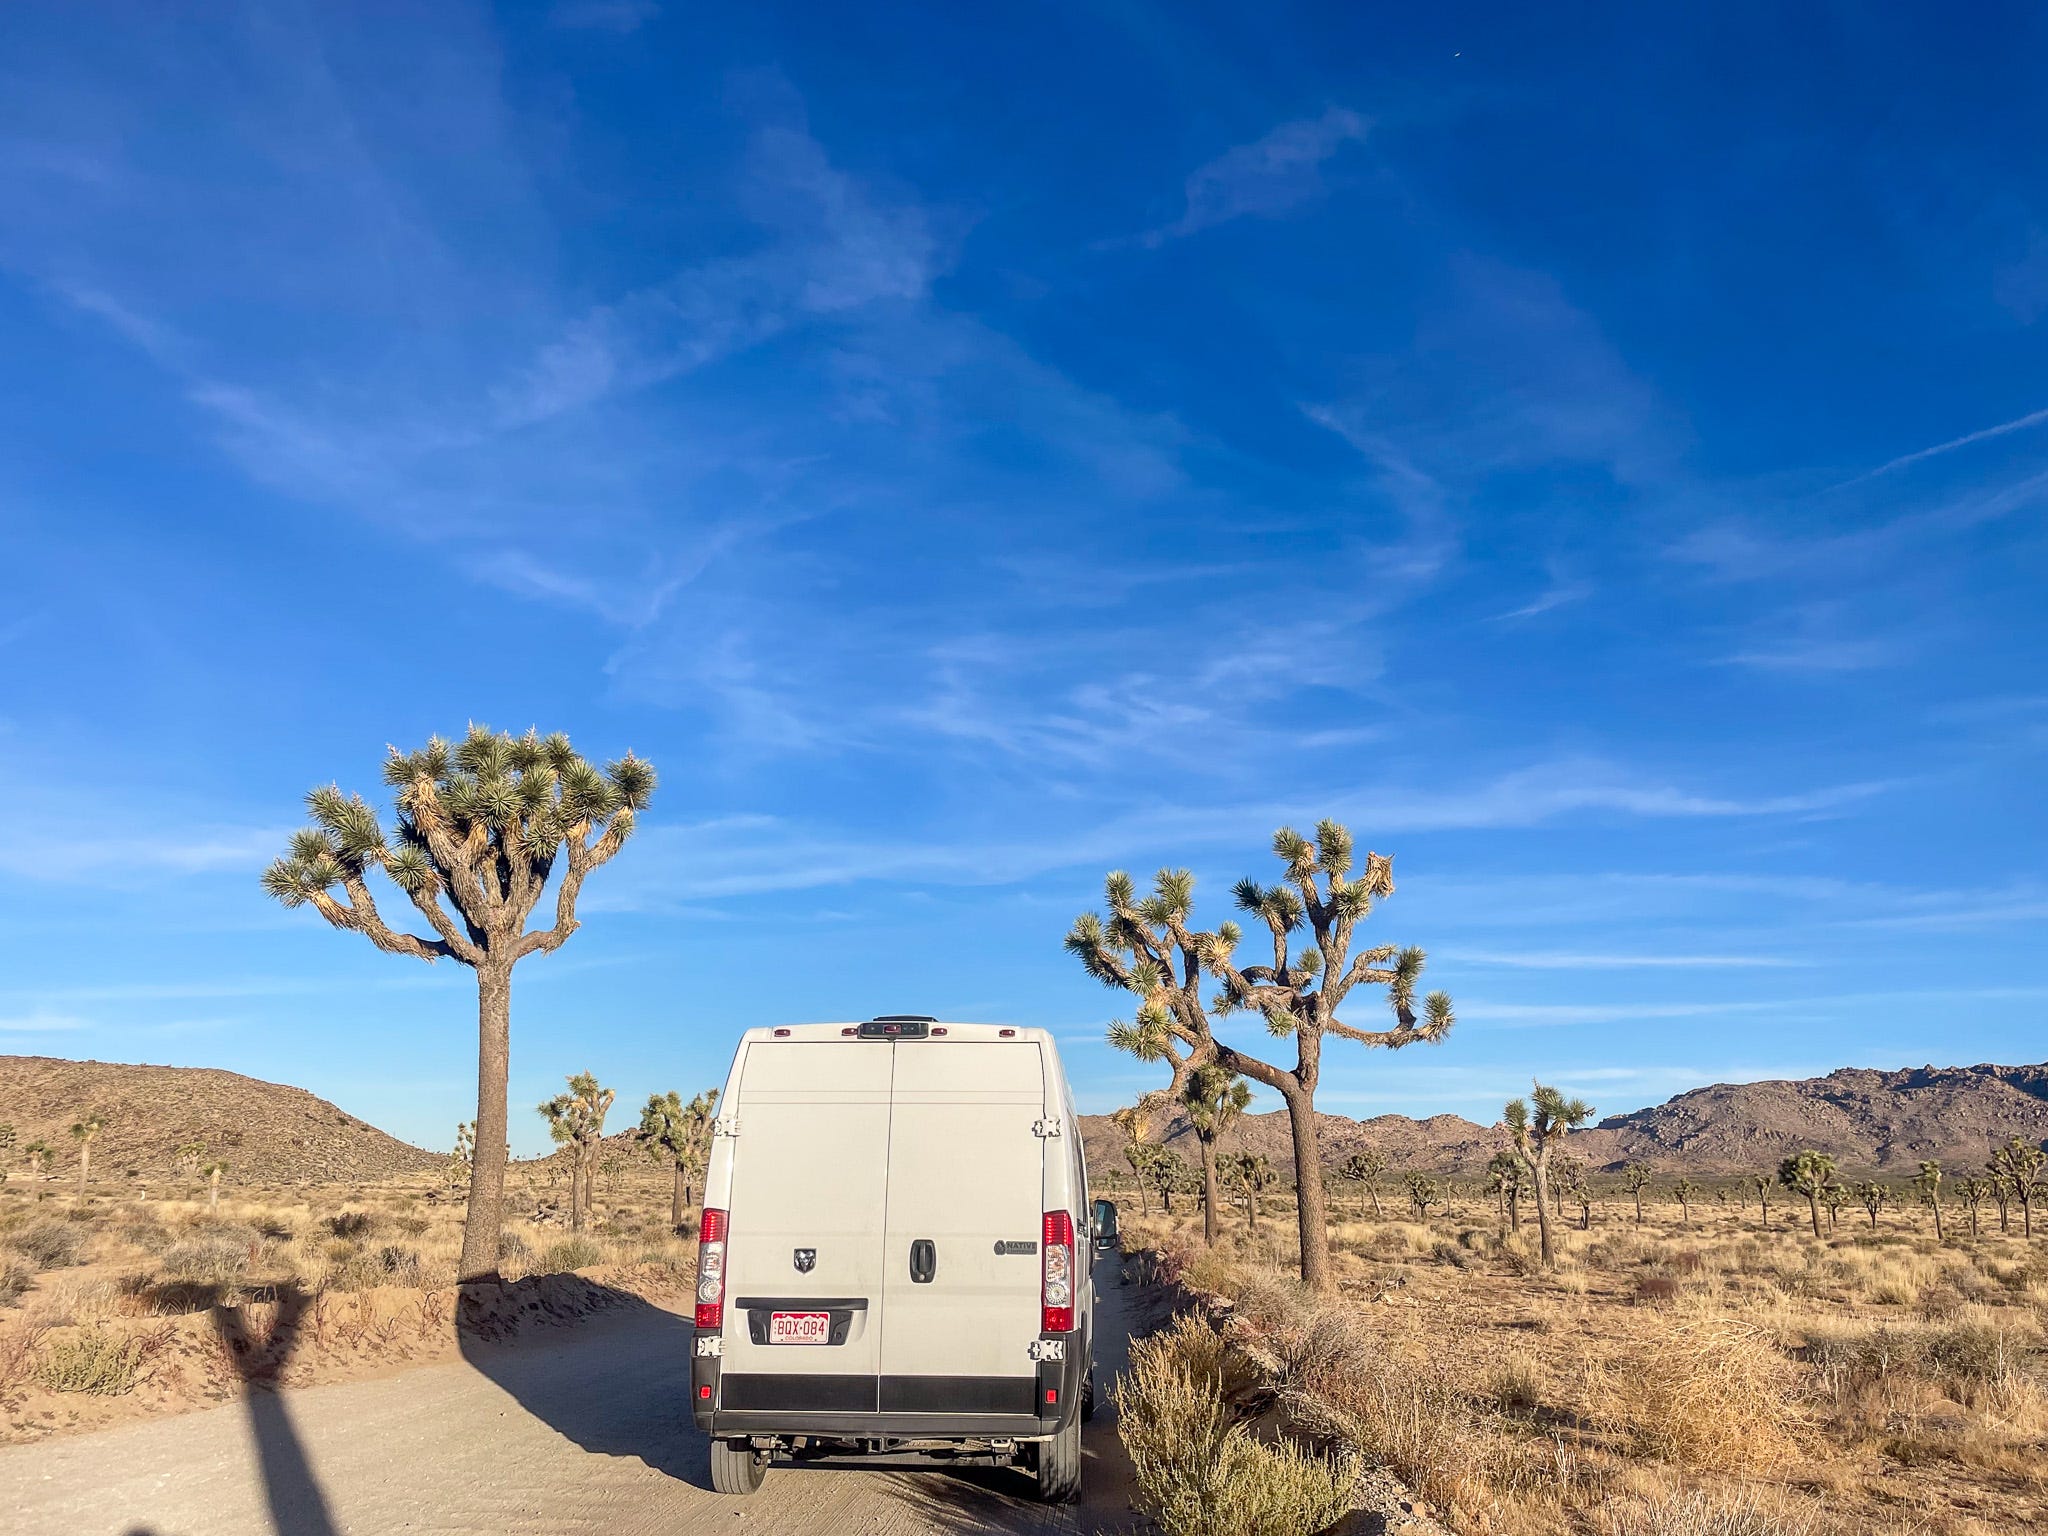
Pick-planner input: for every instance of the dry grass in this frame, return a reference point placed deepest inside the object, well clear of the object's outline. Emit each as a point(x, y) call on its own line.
point(1673, 1380)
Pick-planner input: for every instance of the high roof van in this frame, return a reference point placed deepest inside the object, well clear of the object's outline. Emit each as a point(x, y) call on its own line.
point(894, 1259)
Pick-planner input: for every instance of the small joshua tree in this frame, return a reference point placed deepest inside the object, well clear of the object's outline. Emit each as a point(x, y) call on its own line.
point(85, 1132)
point(1212, 1100)
point(486, 826)
point(1832, 1199)
point(1684, 1190)
point(1504, 1178)
point(1763, 1183)
point(6, 1140)
point(1166, 1172)
point(1567, 1174)
point(1253, 1175)
point(1534, 1135)
point(1131, 1121)
point(1973, 1191)
point(1148, 949)
point(1635, 1178)
point(2019, 1165)
point(463, 1158)
point(186, 1159)
point(213, 1170)
point(1871, 1194)
point(1366, 1168)
point(40, 1155)
point(576, 1121)
point(680, 1135)
point(1422, 1194)
point(1808, 1173)
point(1927, 1184)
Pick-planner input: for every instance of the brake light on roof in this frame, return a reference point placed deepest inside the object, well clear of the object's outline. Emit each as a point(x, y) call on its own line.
point(849, 1030)
point(938, 1029)
point(711, 1271)
point(1006, 1034)
point(1056, 1296)
point(782, 1034)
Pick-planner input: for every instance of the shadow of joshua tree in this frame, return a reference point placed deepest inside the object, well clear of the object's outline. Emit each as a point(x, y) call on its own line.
point(297, 1505)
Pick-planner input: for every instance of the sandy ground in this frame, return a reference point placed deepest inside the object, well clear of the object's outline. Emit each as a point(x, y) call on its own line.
point(588, 1432)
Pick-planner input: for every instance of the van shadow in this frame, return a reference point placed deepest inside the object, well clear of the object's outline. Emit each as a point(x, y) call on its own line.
point(298, 1507)
point(621, 1389)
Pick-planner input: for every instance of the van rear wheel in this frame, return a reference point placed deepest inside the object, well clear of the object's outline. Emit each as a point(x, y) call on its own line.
point(1059, 1465)
point(736, 1467)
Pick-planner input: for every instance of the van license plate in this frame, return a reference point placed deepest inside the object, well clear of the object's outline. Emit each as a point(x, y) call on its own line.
point(799, 1327)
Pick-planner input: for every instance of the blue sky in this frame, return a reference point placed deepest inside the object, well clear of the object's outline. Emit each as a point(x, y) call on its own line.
point(1602, 462)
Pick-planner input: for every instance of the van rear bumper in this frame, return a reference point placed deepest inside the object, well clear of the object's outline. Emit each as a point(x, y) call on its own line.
point(967, 1407)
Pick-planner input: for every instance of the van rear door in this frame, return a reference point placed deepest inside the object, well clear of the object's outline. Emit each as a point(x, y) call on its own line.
point(809, 1181)
point(960, 1277)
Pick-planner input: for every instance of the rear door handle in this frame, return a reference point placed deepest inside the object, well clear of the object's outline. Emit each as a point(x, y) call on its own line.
point(924, 1261)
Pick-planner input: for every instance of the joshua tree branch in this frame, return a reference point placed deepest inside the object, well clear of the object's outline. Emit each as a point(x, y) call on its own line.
point(428, 899)
point(359, 915)
point(583, 858)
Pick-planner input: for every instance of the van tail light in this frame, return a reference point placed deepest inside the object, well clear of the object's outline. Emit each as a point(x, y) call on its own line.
point(711, 1271)
point(1056, 1298)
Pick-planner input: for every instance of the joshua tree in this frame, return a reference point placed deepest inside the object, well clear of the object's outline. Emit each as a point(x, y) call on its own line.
point(1635, 1178)
point(482, 827)
point(1928, 1185)
point(1808, 1173)
point(40, 1155)
point(1683, 1190)
point(1131, 1121)
point(680, 1135)
point(1534, 1135)
point(1762, 1183)
point(2020, 1163)
point(1212, 1099)
point(1253, 1175)
point(213, 1171)
point(6, 1140)
point(1833, 1198)
point(1567, 1173)
point(1166, 1172)
point(1366, 1168)
point(85, 1132)
point(1147, 948)
point(187, 1159)
point(463, 1158)
point(1973, 1190)
point(1422, 1194)
point(576, 1121)
point(1871, 1194)
point(1504, 1179)
point(2001, 1196)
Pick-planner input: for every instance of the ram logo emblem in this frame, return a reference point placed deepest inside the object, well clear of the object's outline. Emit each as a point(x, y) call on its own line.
point(806, 1258)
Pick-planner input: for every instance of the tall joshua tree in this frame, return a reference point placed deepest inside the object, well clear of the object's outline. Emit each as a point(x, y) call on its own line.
point(1685, 1190)
point(1534, 1133)
point(680, 1135)
point(576, 1121)
point(486, 826)
point(2019, 1164)
point(1146, 947)
point(1973, 1190)
point(1212, 1099)
point(1253, 1176)
point(1635, 1178)
point(85, 1132)
point(1808, 1173)
point(1366, 1168)
point(1504, 1178)
point(1763, 1183)
point(1872, 1195)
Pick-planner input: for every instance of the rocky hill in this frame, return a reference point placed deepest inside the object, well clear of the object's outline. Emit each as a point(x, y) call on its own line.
point(1887, 1121)
point(263, 1131)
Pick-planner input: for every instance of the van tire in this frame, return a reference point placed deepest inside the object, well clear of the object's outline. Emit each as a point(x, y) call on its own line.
point(736, 1467)
point(1088, 1396)
point(1059, 1465)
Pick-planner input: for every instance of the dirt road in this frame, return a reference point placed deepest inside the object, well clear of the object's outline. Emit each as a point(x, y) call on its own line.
point(590, 1433)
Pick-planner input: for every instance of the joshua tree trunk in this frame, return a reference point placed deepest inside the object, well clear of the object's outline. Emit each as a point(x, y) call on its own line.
point(486, 1214)
point(1939, 1235)
point(1639, 1207)
point(213, 1191)
point(1515, 1209)
point(1308, 1181)
point(1208, 1147)
point(84, 1166)
point(1541, 1175)
point(1813, 1208)
point(1251, 1210)
point(678, 1198)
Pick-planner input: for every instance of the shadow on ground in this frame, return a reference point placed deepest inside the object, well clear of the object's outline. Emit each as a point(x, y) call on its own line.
point(298, 1507)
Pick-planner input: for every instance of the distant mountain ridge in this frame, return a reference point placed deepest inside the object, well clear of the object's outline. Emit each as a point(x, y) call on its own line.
point(265, 1132)
point(1866, 1118)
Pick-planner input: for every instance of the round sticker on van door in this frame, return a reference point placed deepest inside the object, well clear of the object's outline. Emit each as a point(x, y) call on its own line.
point(805, 1259)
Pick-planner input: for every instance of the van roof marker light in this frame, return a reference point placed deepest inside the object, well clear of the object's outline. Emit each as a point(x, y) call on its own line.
point(1006, 1034)
point(782, 1034)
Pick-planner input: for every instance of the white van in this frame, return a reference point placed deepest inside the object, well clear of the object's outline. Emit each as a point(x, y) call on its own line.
point(895, 1255)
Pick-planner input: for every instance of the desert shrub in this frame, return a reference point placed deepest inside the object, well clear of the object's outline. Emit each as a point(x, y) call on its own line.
point(92, 1360)
point(15, 1278)
point(1453, 1254)
point(1656, 1288)
point(411, 1226)
point(1513, 1384)
point(50, 1244)
point(1714, 1394)
point(1197, 1469)
point(1701, 1513)
point(273, 1228)
point(513, 1245)
point(215, 1257)
point(401, 1266)
point(570, 1253)
point(143, 1232)
point(350, 1225)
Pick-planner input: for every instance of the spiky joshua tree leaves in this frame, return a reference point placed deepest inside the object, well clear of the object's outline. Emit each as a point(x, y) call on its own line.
point(1148, 948)
point(486, 826)
point(1212, 1099)
point(2018, 1166)
point(680, 1135)
point(1366, 1168)
point(1535, 1127)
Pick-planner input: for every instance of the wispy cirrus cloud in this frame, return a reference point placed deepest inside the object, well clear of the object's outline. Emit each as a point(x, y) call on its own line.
point(1569, 960)
point(1274, 174)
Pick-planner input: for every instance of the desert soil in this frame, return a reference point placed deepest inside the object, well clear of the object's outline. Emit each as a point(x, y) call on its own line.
point(586, 1431)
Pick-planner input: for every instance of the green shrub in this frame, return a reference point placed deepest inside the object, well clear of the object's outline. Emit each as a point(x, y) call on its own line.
point(570, 1253)
point(1197, 1469)
point(351, 1224)
point(51, 1244)
point(93, 1360)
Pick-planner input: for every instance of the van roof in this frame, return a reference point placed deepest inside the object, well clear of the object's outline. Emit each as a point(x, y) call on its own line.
point(844, 1031)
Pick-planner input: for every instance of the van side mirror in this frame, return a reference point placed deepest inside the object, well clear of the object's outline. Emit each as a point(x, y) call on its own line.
point(1105, 1224)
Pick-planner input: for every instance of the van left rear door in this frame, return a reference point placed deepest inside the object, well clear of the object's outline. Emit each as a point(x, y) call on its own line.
point(809, 1182)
